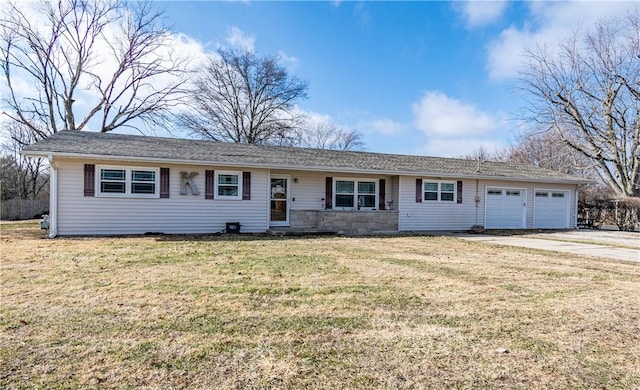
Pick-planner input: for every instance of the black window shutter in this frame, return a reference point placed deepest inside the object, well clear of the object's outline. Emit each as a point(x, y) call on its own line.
point(381, 195)
point(208, 184)
point(164, 182)
point(246, 185)
point(328, 195)
point(459, 200)
point(89, 180)
point(418, 190)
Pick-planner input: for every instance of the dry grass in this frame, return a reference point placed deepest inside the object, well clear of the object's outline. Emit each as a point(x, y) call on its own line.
point(256, 312)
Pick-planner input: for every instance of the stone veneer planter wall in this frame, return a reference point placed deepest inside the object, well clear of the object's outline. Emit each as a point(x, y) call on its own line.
point(348, 222)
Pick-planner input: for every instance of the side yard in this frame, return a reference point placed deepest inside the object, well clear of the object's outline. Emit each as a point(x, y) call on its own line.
point(330, 312)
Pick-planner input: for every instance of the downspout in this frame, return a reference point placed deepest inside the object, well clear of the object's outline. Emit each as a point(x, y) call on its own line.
point(574, 219)
point(53, 198)
point(399, 205)
point(267, 222)
point(476, 199)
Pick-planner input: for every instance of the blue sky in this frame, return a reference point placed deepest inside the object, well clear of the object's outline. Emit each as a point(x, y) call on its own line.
point(416, 77)
point(369, 64)
point(419, 77)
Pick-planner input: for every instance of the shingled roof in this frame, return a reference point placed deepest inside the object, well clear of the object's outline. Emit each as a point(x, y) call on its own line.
point(112, 146)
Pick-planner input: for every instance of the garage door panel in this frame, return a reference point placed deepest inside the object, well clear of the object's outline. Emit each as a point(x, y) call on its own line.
point(504, 208)
point(551, 209)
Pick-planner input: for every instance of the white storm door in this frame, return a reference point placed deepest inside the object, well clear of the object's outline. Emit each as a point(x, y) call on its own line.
point(279, 188)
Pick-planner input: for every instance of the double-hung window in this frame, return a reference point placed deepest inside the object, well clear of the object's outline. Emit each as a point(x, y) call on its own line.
point(113, 181)
point(143, 181)
point(366, 195)
point(228, 185)
point(126, 181)
point(345, 193)
point(439, 191)
point(354, 194)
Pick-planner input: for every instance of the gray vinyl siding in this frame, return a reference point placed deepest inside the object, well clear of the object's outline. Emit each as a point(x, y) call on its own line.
point(310, 189)
point(433, 215)
point(395, 192)
point(425, 216)
point(80, 215)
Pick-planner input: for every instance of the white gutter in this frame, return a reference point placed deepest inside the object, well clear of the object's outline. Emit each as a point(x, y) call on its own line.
point(574, 220)
point(53, 198)
point(302, 168)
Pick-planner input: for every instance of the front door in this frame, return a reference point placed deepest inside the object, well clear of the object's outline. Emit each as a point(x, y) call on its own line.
point(279, 201)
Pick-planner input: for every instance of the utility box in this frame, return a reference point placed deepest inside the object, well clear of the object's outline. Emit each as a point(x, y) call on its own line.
point(233, 227)
point(44, 224)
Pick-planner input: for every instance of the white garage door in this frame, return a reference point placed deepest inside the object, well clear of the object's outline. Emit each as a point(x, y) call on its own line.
point(551, 209)
point(504, 208)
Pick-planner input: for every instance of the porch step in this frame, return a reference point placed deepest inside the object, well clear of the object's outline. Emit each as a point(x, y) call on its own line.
point(286, 231)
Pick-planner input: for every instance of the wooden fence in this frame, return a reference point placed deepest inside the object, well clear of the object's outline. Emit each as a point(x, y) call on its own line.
point(14, 209)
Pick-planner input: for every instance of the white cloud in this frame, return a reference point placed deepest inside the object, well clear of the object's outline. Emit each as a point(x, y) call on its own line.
point(481, 13)
point(441, 116)
point(386, 126)
point(314, 118)
point(290, 62)
point(187, 47)
point(454, 128)
point(237, 39)
point(505, 56)
point(547, 23)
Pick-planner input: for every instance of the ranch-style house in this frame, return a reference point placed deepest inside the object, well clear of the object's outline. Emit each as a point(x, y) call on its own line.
point(114, 184)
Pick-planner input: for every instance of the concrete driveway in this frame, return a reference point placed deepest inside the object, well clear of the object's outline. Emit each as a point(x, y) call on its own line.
point(596, 243)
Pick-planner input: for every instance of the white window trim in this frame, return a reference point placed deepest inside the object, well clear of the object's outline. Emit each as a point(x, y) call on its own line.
point(440, 182)
point(215, 185)
point(127, 185)
point(355, 193)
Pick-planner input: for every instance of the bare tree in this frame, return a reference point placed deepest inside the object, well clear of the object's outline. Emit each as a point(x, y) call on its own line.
point(482, 154)
point(328, 135)
point(241, 97)
point(547, 150)
point(21, 177)
point(109, 55)
point(588, 92)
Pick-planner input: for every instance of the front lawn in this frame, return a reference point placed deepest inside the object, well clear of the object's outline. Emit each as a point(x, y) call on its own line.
point(330, 312)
